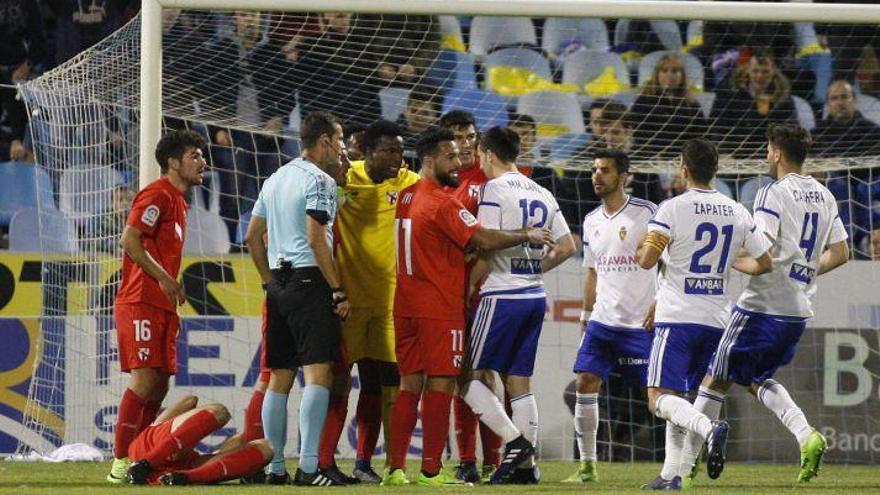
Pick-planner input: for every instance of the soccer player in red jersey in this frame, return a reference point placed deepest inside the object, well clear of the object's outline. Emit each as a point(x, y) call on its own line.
point(164, 451)
point(146, 305)
point(433, 231)
point(471, 179)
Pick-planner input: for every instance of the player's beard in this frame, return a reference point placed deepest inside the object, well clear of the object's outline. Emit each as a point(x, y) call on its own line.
point(608, 189)
point(446, 179)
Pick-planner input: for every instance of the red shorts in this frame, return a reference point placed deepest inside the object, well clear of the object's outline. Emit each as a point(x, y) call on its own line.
point(265, 372)
point(151, 437)
point(147, 337)
point(433, 347)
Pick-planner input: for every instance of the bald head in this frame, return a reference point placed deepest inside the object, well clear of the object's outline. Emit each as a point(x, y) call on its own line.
point(841, 102)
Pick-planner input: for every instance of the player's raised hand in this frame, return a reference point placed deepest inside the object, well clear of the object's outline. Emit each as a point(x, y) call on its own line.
point(173, 291)
point(541, 236)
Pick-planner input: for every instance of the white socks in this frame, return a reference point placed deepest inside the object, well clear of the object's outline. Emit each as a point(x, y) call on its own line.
point(525, 417)
point(586, 424)
point(486, 405)
point(681, 413)
point(774, 397)
point(675, 436)
point(708, 402)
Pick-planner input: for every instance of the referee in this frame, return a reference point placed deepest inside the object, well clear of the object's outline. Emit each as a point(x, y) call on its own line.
point(305, 300)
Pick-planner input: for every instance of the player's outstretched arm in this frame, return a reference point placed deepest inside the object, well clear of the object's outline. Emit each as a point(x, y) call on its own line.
point(131, 243)
point(565, 247)
point(753, 266)
point(650, 248)
point(836, 255)
point(491, 239)
point(254, 240)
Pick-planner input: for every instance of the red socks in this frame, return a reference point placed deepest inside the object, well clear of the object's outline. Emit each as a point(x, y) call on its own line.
point(369, 423)
point(128, 422)
point(337, 410)
point(491, 446)
point(404, 416)
point(235, 465)
point(253, 417)
point(185, 437)
point(435, 428)
point(465, 430)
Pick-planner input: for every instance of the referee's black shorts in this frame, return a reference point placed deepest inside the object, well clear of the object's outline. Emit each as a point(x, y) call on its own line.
point(302, 327)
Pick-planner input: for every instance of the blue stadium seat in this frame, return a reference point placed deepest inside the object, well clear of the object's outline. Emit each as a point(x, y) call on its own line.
point(489, 109)
point(805, 115)
point(205, 233)
point(490, 32)
point(31, 184)
point(586, 65)
point(28, 223)
point(564, 147)
point(559, 32)
point(393, 102)
point(525, 58)
point(750, 188)
point(241, 229)
point(552, 108)
point(452, 69)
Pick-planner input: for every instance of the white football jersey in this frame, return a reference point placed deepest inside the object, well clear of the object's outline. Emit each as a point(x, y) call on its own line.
point(706, 229)
point(624, 291)
point(510, 202)
point(799, 216)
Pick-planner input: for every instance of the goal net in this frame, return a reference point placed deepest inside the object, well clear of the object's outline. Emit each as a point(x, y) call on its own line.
point(570, 85)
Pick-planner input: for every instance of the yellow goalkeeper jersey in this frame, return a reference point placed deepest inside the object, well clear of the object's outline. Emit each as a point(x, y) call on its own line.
point(366, 250)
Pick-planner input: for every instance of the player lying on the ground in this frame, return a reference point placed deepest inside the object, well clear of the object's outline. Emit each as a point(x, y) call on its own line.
point(165, 453)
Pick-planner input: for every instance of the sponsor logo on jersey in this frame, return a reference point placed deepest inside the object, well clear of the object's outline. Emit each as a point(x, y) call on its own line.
point(143, 353)
point(467, 218)
point(474, 190)
point(802, 273)
point(704, 286)
point(523, 266)
point(150, 216)
point(407, 198)
point(622, 233)
point(391, 196)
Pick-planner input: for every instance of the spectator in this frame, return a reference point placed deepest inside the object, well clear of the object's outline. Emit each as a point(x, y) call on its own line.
point(22, 52)
point(595, 117)
point(405, 45)
point(421, 112)
point(758, 95)
point(109, 224)
point(527, 130)
point(354, 142)
point(845, 132)
point(79, 24)
point(333, 71)
point(666, 114)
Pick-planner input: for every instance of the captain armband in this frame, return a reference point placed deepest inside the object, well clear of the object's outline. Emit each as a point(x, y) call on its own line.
point(656, 240)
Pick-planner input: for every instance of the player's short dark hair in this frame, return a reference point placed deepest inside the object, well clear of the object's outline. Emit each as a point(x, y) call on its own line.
point(315, 125)
point(521, 119)
point(794, 141)
point(174, 144)
point(457, 118)
point(620, 157)
point(377, 130)
point(429, 141)
point(503, 141)
point(700, 157)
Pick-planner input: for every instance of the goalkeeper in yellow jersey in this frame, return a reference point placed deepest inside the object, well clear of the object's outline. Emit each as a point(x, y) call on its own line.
point(366, 260)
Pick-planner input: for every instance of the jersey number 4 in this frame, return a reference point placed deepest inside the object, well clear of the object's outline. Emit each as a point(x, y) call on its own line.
point(710, 229)
point(808, 234)
point(403, 234)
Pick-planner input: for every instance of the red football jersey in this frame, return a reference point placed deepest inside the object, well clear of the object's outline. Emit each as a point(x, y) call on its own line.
point(432, 231)
point(470, 186)
point(159, 211)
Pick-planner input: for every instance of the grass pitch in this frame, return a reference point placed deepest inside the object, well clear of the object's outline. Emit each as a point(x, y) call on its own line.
point(741, 479)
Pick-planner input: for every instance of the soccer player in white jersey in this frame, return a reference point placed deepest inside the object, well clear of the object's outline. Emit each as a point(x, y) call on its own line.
point(698, 235)
point(508, 321)
point(620, 294)
point(799, 217)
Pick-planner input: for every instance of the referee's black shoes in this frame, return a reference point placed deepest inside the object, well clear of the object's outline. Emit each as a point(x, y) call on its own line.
point(318, 478)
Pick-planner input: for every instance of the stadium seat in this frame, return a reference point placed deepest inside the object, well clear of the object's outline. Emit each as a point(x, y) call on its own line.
point(241, 229)
point(450, 33)
point(749, 189)
point(516, 71)
point(205, 233)
point(85, 191)
point(556, 114)
point(211, 189)
point(452, 69)
point(28, 223)
point(560, 33)
point(489, 109)
point(692, 67)
point(491, 32)
point(564, 147)
point(721, 186)
point(805, 115)
point(393, 102)
point(32, 187)
point(706, 100)
point(586, 66)
point(869, 106)
point(525, 58)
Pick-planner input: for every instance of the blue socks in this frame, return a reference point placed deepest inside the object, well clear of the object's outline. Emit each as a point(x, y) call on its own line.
point(275, 428)
point(312, 413)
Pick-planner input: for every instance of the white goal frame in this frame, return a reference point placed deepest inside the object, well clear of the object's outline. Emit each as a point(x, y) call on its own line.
point(151, 28)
